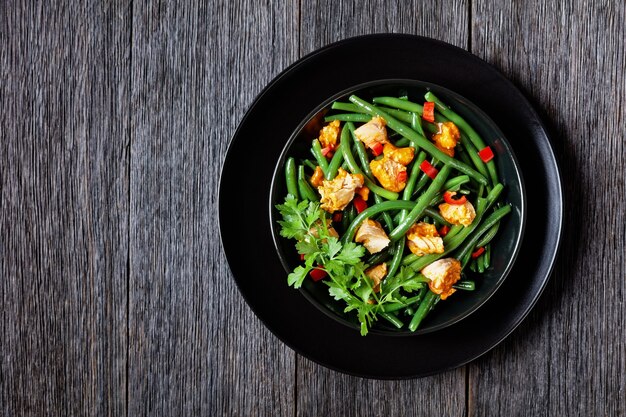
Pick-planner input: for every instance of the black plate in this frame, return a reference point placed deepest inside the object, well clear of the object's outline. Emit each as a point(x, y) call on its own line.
point(246, 232)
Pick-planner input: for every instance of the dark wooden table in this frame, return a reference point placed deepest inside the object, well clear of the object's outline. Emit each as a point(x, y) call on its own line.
point(114, 292)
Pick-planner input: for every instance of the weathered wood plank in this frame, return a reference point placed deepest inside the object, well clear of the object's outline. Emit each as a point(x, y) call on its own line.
point(569, 357)
point(195, 347)
point(322, 391)
point(63, 207)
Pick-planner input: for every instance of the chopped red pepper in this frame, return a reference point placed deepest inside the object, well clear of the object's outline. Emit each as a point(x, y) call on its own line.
point(402, 176)
point(359, 203)
point(377, 148)
point(444, 230)
point(486, 154)
point(318, 273)
point(429, 170)
point(448, 197)
point(429, 112)
point(478, 252)
point(302, 256)
point(337, 216)
point(327, 151)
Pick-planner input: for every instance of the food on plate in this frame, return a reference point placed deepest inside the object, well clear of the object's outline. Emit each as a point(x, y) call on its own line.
point(395, 209)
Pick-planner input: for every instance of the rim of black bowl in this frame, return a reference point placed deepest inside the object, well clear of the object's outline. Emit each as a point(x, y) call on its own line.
point(278, 172)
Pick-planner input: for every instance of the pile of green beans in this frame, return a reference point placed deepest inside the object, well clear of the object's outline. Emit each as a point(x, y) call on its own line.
point(464, 173)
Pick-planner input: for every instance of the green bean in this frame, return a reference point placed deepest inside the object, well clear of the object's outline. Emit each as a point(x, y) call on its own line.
point(306, 192)
point(400, 104)
point(349, 117)
point(410, 184)
point(388, 308)
point(316, 150)
point(463, 155)
point(472, 266)
point(455, 182)
point(487, 259)
point(465, 285)
point(392, 318)
point(416, 124)
point(465, 260)
point(335, 163)
point(436, 216)
point(464, 126)
point(402, 143)
point(349, 158)
point(421, 183)
point(489, 221)
point(422, 311)
point(432, 127)
point(337, 105)
point(489, 235)
point(290, 176)
point(348, 215)
point(422, 203)
point(362, 155)
point(399, 114)
point(473, 155)
point(454, 230)
point(406, 105)
point(373, 210)
point(309, 164)
point(418, 140)
point(379, 257)
point(397, 257)
point(480, 264)
point(415, 170)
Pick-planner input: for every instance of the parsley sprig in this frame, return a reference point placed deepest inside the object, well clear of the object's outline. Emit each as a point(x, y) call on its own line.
point(307, 223)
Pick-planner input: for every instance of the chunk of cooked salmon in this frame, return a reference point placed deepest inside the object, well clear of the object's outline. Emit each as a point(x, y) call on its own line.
point(318, 177)
point(423, 238)
point(390, 174)
point(338, 192)
point(372, 132)
point(443, 274)
point(377, 274)
point(458, 213)
point(402, 156)
point(364, 192)
point(447, 137)
point(372, 235)
point(329, 134)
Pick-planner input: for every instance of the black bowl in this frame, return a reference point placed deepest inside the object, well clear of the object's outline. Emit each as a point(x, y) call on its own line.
point(506, 244)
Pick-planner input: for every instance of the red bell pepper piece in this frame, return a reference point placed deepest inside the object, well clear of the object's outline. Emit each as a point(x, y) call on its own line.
point(359, 203)
point(318, 273)
point(327, 151)
point(486, 154)
point(302, 256)
point(377, 148)
point(337, 217)
point(429, 112)
point(429, 170)
point(478, 252)
point(402, 175)
point(448, 197)
point(444, 230)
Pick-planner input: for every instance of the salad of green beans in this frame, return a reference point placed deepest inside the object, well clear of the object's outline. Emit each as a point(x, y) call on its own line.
point(394, 210)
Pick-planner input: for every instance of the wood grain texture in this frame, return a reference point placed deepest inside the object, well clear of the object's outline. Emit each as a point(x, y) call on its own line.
point(321, 391)
point(569, 358)
point(195, 346)
point(115, 296)
point(63, 208)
